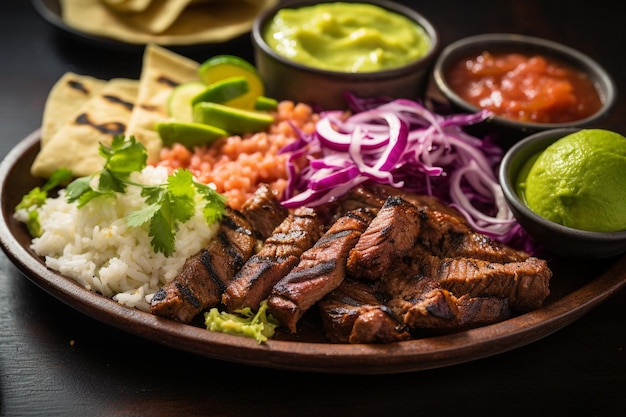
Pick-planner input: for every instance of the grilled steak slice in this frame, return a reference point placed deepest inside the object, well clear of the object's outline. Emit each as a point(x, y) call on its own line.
point(420, 302)
point(362, 197)
point(352, 313)
point(278, 255)
point(524, 283)
point(390, 235)
point(481, 311)
point(320, 270)
point(264, 211)
point(205, 275)
point(446, 233)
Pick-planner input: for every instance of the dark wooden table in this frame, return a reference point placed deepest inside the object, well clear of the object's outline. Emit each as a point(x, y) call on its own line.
point(55, 361)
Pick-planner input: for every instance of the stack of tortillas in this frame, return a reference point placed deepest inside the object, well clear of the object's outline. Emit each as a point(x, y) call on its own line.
point(166, 22)
point(81, 112)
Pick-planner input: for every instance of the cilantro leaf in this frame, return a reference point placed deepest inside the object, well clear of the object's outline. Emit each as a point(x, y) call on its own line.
point(167, 205)
point(163, 238)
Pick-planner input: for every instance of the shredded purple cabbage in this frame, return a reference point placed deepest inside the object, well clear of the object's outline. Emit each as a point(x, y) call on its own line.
point(403, 144)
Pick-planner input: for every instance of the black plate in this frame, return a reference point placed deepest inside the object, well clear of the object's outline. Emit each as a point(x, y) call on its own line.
point(575, 289)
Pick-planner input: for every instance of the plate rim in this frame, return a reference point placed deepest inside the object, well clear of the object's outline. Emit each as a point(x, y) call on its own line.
point(399, 357)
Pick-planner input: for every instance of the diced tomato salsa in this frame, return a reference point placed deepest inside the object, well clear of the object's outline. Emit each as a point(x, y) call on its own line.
point(527, 88)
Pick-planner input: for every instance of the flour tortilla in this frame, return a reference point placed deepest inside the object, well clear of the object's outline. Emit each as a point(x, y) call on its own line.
point(126, 6)
point(67, 95)
point(75, 145)
point(207, 21)
point(161, 71)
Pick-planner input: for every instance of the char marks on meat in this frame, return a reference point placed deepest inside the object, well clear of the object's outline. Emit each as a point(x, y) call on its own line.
point(420, 302)
point(320, 270)
point(264, 211)
point(380, 265)
point(524, 283)
point(353, 313)
point(205, 276)
point(278, 255)
point(445, 232)
point(391, 235)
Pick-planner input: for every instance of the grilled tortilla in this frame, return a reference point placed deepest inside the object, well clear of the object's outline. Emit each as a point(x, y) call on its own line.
point(75, 145)
point(166, 22)
point(162, 70)
point(67, 95)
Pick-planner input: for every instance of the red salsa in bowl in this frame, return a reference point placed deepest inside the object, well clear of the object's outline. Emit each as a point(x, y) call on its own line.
point(532, 88)
point(529, 84)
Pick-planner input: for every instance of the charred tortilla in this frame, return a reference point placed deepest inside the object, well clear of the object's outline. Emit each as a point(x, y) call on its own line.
point(162, 70)
point(75, 144)
point(67, 95)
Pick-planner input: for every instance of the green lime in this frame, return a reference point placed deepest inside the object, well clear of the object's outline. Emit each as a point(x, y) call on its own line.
point(580, 181)
point(189, 134)
point(220, 67)
point(222, 91)
point(231, 119)
point(179, 102)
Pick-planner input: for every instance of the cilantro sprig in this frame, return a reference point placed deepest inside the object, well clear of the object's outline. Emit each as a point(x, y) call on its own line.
point(167, 205)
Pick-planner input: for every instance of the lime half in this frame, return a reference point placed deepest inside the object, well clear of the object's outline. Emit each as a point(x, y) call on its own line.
point(220, 67)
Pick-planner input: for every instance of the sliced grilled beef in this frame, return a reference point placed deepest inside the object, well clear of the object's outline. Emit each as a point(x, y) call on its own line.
point(278, 255)
point(352, 313)
point(361, 197)
point(320, 269)
point(481, 311)
point(206, 275)
point(525, 283)
point(392, 234)
point(445, 232)
point(420, 302)
point(264, 211)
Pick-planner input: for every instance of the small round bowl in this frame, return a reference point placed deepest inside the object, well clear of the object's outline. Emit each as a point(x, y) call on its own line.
point(558, 239)
point(288, 80)
point(495, 43)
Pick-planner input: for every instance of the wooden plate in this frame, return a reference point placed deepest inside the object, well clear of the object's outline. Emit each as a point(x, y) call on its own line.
point(576, 287)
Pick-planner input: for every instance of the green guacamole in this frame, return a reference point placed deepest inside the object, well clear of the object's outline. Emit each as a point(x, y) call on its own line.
point(346, 37)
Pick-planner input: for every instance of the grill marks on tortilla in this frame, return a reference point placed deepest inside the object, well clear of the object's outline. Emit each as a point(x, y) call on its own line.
point(111, 128)
point(97, 120)
point(79, 87)
point(166, 81)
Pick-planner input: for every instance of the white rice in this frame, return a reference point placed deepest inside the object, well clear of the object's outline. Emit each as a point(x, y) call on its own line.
point(95, 246)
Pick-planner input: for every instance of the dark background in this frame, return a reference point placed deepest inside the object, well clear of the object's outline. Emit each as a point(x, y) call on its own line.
point(579, 370)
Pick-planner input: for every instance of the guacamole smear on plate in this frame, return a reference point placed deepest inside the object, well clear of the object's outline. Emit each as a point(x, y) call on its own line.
point(244, 322)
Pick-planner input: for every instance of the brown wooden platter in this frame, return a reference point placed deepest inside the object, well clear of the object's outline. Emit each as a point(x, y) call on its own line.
point(576, 287)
